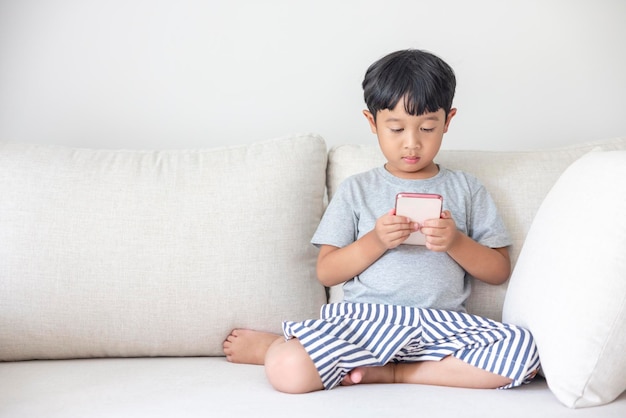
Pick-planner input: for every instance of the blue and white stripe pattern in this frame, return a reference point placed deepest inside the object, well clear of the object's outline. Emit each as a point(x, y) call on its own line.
point(351, 335)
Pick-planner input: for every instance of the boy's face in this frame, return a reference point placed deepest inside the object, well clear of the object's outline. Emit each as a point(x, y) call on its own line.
point(410, 143)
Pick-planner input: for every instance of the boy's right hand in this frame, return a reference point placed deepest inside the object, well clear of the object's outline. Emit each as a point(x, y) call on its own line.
point(392, 230)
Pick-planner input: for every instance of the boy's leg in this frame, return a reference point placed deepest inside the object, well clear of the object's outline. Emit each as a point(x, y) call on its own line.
point(449, 371)
point(290, 369)
point(247, 346)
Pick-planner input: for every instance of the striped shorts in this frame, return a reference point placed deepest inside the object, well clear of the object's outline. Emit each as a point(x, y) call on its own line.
point(350, 335)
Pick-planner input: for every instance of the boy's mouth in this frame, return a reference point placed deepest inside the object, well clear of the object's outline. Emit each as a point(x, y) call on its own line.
point(411, 159)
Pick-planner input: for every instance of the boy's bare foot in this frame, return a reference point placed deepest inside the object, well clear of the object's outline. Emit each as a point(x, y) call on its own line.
point(247, 346)
point(384, 374)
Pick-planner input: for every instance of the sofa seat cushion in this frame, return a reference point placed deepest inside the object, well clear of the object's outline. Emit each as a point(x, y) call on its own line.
point(212, 387)
point(155, 253)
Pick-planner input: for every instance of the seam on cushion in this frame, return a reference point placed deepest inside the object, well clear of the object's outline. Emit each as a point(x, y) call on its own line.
point(613, 328)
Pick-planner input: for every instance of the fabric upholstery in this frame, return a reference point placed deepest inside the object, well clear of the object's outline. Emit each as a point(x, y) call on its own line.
point(155, 253)
point(569, 285)
point(212, 387)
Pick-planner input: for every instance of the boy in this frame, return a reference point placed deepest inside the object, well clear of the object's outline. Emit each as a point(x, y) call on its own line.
point(403, 318)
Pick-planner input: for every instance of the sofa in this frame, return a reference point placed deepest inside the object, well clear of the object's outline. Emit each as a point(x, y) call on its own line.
point(122, 272)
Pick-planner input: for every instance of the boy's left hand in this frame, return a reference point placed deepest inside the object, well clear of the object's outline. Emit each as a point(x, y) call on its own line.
point(440, 233)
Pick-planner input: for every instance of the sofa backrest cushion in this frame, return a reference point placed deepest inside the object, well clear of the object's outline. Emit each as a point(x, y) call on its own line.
point(518, 182)
point(107, 253)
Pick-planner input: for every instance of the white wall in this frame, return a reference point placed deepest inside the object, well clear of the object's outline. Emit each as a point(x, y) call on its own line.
point(201, 73)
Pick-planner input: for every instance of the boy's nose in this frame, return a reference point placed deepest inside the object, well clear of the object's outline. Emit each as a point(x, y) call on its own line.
point(412, 142)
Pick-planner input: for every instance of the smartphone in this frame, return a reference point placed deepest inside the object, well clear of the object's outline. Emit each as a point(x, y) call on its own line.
point(418, 207)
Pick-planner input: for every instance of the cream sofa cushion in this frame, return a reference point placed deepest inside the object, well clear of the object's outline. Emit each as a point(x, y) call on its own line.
point(155, 253)
point(518, 182)
point(569, 286)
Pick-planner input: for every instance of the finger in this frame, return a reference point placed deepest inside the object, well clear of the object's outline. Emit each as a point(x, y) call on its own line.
point(402, 228)
point(431, 233)
point(397, 220)
point(435, 247)
point(394, 239)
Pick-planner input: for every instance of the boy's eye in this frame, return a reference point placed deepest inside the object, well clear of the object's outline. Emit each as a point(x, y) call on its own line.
point(396, 130)
point(427, 129)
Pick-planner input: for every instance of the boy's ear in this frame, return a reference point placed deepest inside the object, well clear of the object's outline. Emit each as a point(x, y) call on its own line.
point(451, 114)
point(371, 120)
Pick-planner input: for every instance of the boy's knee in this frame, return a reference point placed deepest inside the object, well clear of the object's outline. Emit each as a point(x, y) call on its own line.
point(289, 368)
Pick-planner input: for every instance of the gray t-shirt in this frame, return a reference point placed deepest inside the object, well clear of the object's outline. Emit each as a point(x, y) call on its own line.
point(410, 275)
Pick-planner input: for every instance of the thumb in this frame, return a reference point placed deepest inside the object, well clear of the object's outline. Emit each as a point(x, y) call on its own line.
point(446, 214)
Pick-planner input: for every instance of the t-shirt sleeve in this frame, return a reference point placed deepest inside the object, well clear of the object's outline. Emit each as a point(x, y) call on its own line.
point(486, 225)
point(338, 226)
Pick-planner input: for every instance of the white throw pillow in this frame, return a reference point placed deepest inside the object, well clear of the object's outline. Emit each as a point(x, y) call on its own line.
point(155, 253)
point(569, 284)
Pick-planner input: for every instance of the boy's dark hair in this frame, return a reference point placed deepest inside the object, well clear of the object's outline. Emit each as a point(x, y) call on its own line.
point(424, 81)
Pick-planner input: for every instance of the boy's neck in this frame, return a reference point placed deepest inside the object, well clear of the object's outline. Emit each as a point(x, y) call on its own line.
point(425, 173)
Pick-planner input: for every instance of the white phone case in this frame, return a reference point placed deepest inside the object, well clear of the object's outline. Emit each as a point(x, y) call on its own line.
point(418, 207)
